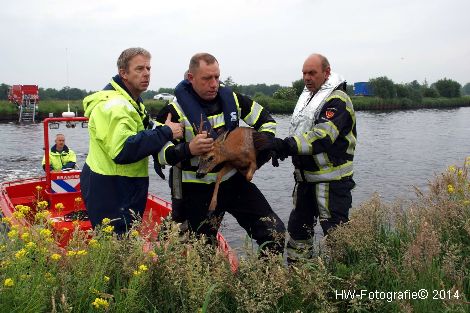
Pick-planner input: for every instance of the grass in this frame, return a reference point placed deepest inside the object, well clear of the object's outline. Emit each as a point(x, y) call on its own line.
point(386, 250)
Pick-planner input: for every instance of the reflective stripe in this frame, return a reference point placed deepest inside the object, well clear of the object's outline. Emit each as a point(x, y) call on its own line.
point(254, 114)
point(161, 154)
point(322, 161)
point(330, 129)
point(190, 177)
point(188, 128)
point(329, 174)
point(352, 143)
point(322, 192)
point(268, 127)
point(217, 120)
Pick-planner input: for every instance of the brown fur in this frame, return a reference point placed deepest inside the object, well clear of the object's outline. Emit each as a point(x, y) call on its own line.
point(236, 150)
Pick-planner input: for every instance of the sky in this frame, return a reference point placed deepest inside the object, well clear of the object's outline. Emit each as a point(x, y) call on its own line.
point(57, 43)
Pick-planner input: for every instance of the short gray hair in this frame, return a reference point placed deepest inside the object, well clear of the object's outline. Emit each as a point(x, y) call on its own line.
point(196, 60)
point(128, 54)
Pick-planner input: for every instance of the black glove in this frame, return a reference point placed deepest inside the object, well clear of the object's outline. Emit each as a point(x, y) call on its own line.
point(157, 167)
point(280, 147)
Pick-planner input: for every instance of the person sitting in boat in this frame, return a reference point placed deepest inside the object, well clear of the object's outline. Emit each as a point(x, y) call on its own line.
point(61, 158)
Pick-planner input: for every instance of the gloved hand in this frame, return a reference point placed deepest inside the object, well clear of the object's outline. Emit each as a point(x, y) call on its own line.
point(157, 167)
point(280, 147)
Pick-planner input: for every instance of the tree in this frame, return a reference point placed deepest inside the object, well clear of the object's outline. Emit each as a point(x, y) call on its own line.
point(4, 91)
point(285, 93)
point(466, 89)
point(447, 88)
point(299, 86)
point(383, 87)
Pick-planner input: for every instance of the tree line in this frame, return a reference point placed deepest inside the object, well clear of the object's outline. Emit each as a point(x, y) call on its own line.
point(382, 87)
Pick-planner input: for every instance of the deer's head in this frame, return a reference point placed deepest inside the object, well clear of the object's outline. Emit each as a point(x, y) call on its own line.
point(211, 159)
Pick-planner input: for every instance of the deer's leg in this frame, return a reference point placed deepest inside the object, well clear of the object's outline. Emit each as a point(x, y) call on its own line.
point(221, 173)
point(251, 171)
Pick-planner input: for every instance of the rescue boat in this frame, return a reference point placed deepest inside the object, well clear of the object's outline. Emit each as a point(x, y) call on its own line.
point(62, 192)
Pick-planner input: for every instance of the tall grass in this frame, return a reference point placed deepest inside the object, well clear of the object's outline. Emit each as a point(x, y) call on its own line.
point(385, 248)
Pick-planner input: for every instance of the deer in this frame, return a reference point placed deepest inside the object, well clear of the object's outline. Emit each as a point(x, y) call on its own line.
point(237, 149)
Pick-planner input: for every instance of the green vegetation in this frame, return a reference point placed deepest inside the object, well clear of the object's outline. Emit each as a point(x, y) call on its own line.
point(444, 93)
point(390, 253)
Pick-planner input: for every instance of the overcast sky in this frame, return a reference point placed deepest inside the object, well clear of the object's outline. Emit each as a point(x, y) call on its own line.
point(76, 43)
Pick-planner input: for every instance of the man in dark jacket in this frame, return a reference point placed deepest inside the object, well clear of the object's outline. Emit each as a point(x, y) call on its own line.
point(322, 143)
point(201, 96)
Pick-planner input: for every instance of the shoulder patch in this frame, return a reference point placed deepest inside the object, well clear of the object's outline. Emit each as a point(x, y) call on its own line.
point(330, 113)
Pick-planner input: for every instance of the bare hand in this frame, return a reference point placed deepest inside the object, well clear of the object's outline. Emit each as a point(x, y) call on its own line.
point(176, 128)
point(201, 144)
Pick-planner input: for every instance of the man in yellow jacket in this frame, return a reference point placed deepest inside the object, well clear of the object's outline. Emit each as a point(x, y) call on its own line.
point(60, 156)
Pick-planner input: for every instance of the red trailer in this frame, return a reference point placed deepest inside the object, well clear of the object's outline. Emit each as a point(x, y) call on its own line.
point(26, 98)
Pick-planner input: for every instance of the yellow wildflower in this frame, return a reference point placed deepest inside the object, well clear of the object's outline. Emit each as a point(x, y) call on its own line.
point(26, 236)
point(71, 253)
point(45, 233)
point(30, 245)
point(56, 256)
point(42, 205)
point(467, 161)
point(6, 220)
point(460, 173)
point(82, 252)
point(93, 243)
point(105, 221)
point(137, 273)
point(143, 268)
point(59, 206)
point(42, 215)
point(100, 303)
point(18, 215)
point(450, 188)
point(451, 169)
point(152, 254)
point(12, 234)
point(108, 229)
point(25, 276)
point(22, 208)
point(20, 254)
point(134, 233)
point(3, 248)
point(106, 278)
point(8, 282)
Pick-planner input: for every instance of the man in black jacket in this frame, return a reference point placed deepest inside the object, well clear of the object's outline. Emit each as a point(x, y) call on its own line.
point(322, 143)
point(201, 96)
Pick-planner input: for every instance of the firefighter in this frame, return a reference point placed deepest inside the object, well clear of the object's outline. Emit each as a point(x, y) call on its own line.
point(61, 158)
point(322, 143)
point(114, 180)
point(201, 96)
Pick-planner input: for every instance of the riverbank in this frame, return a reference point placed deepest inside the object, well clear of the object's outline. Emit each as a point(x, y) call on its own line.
point(8, 111)
point(388, 258)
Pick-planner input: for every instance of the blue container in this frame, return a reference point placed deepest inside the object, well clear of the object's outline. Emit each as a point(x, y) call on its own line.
point(362, 89)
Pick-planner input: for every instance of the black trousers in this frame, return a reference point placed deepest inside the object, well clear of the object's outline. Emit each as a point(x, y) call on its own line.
point(240, 198)
point(328, 202)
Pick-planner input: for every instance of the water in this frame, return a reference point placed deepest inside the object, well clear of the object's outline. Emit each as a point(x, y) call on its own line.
point(395, 151)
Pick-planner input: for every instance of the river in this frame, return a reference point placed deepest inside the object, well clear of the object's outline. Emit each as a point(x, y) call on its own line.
point(395, 151)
